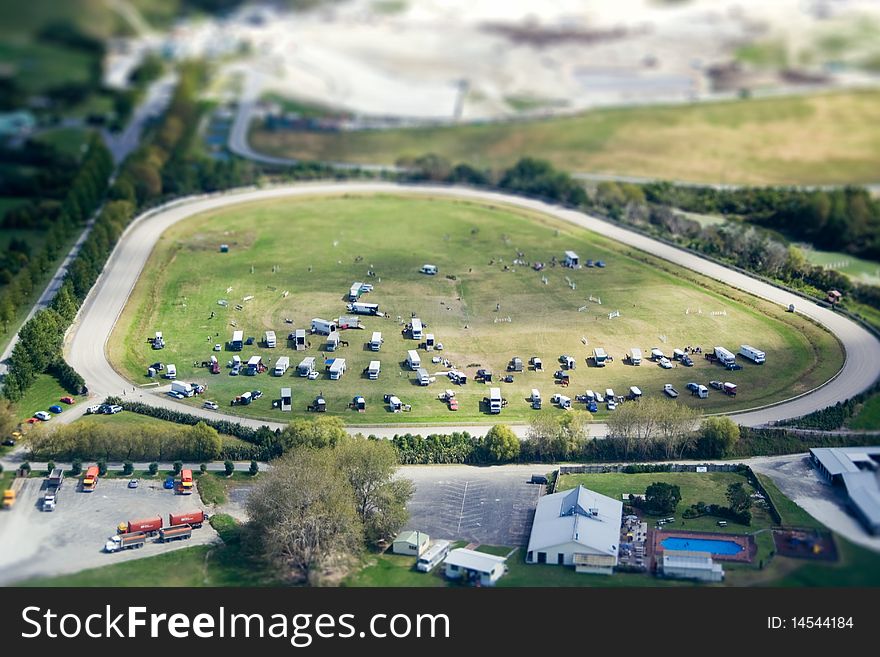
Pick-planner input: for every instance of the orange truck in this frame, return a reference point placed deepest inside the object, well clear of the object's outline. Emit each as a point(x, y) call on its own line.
point(186, 482)
point(191, 518)
point(148, 526)
point(90, 479)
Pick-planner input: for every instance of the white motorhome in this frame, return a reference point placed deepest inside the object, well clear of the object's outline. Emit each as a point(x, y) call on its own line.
point(337, 368)
point(571, 260)
point(237, 341)
point(634, 392)
point(423, 376)
point(429, 342)
point(306, 366)
point(170, 371)
point(635, 356)
point(416, 328)
point(495, 401)
point(363, 308)
point(373, 370)
point(430, 270)
point(183, 388)
point(395, 404)
point(356, 290)
point(535, 398)
point(332, 341)
point(599, 357)
point(413, 360)
point(269, 339)
point(376, 341)
point(431, 557)
point(724, 356)
point(322, 326)
point(281, 366)
point(755, 355)
point(286, 399)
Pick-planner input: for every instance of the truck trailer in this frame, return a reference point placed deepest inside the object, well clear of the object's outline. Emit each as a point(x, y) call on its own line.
point(148, 526)
point(90, 479)
point(177, 533)
point(194, 519)
point(376, 341)
point(286, 399)
point(237, 342)
point(269, 339)
point(360, 308)
point(724, 356)
point(495, 400)
point(755, 355)
point(281, 366)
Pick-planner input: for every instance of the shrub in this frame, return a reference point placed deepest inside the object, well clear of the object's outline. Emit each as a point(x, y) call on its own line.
point(178, 466)
point(76, 467)
point(127, 468)
point(50, 466)
point(254, 469)
point(230, 467)
point(102, 467)
point(153, 468)
point(203, 468)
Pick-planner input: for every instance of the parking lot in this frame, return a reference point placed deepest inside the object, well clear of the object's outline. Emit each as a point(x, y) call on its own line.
point(71, 538)
point(493, 505)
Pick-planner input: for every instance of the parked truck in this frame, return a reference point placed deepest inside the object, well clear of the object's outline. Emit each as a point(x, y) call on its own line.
point(186, 482)
point(724, 356)
point(53, 485)
point(281, 366)
point(670, 391)
point(755, 355)
point(194, 519)
point(11, 493)
point(90, 479)
point(176, 533)
point(182, 388)
point(125, 541)
point(147, 526)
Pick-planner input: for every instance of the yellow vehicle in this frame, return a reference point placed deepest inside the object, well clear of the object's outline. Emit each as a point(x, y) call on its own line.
point(8, 498)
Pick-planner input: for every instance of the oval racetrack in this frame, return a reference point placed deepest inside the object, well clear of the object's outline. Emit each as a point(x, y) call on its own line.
point(86, 341)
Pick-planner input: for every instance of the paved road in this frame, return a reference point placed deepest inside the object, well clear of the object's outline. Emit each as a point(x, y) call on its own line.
point(158, 96)
point(86, 341)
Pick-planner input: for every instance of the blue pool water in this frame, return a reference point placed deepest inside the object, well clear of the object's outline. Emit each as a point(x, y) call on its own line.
point(701, 545)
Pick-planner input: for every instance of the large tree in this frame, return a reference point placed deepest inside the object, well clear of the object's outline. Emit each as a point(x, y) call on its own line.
point(323, 431)
point(717, 437)
point(501, 444)
point(303, 513)
point(738, 498)
point(661, 498)
point(369, 467)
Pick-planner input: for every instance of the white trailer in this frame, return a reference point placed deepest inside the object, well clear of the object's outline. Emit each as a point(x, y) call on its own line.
point(724, 356)
point(356, 290)
point(376, 341)
point(495, 400)
point(430, 270)
point(599, 357)
point(170, 371)
point(332, 341)
point(299, 339)
point(306, 366)
point(635, 356)
point(535, 398)
point(416, 330)
point(755, 355)
point(337, 368)
point(183, 388)
point(281, 366)
point(322, 326)
point(286, 399)
point(363, 308)
point(254, 364)
point(429, 342)
point(269, 339)
point(423, 377)
point(702, 392)
point(237, 340)
point(413, 360)
point(571, 260)
point(373, 370)
point(634, 392)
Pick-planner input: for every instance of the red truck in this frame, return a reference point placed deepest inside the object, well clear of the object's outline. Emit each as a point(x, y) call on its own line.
point(90, 479)
point(149, 526)
point(191, 518)
point(186, 482)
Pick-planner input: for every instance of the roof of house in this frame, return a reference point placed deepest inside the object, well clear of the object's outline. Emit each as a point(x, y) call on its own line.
point(473, 560)
point(577, 516)
point(862, 483)
point(412, 536)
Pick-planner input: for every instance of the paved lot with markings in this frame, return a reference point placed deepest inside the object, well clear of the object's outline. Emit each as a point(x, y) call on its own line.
point(71, 538)
point(493, 505)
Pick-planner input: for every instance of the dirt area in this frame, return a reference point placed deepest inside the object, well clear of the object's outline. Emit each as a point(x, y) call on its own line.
point(71, 538)
point(814, 545)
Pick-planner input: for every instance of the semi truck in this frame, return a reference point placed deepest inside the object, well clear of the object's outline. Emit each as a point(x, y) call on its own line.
point(146, 526)
point(186, 482)
point(53, 485)
point(194, 519)
point(90, 479)
point(125, 541)
point(179, 532)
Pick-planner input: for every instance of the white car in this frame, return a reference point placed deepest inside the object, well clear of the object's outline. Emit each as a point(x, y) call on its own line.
point(665, 363)
point(218, 347)
point(212, 405)
point(313, 375)
point(175, 394)
point(612, 405)
point(93, 409)
point(42, 415)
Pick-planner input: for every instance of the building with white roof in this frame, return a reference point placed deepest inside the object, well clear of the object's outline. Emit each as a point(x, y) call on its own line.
point(858, 470)
point(579, 528)
point(684, 564)
point(472, 566)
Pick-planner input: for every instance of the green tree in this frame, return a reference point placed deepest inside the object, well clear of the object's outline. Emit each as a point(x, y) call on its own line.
point(8, 418)
point(369, 467)
point(738, 498)
point(203, 468)
point(229, 467)
point(501, 444)
point(177, 466)
point(254, 469)
point(50, 465)
point(153, 469)
point(102, 467)
point(127, 468)
point(205, 441)
point(76, 467)
point(718, 437)
point(661, 498)
point(324, 431)
point(302, 514)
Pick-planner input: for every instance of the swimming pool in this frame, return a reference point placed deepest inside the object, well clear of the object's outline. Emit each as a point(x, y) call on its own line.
point(715, 546)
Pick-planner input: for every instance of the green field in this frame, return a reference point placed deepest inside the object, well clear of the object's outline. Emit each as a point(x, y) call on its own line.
point(38, 67)
point(45, 392)
point(708, 487)
point(868, 416)
point(827, 138)
point(187, 275)
point(862, 271)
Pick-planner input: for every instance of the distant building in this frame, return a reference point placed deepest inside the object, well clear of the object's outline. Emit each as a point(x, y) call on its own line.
point(856, 468)
point(834, 297)
point(472, 566)
point(16, 124)
point(682, 564)
point(410, 542)
point(577, 528)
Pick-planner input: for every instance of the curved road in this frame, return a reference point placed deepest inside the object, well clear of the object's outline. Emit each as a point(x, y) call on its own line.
point(85, 344)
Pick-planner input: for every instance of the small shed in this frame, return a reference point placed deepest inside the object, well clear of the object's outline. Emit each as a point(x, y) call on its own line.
point(474, 567)
point(286, 399)
point(412, 542)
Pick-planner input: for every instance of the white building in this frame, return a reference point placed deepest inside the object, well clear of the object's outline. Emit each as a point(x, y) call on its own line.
point(472, 566)
point(682, 564)
point(410, 542)
point(577, 528)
